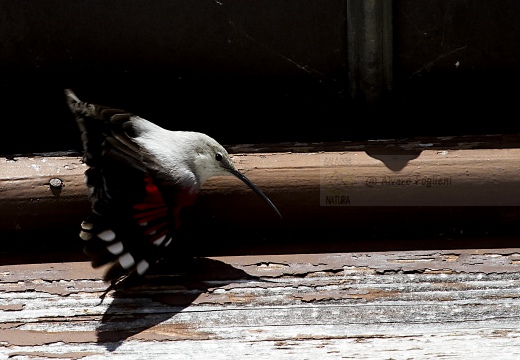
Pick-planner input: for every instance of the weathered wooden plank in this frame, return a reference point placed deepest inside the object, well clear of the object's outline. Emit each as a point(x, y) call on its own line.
point(419, 304)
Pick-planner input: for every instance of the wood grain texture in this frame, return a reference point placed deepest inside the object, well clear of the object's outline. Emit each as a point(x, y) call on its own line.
point(378, 305)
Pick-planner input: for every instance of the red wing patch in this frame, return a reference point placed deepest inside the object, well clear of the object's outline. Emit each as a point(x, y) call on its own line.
point(152, 214)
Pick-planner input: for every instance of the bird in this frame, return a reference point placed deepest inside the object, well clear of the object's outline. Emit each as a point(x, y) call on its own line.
point(141, 179)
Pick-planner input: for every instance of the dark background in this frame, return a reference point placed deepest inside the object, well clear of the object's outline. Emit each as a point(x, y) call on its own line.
point(253, 71)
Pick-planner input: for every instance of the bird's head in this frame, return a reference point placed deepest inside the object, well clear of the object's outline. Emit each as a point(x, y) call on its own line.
point(211, 159)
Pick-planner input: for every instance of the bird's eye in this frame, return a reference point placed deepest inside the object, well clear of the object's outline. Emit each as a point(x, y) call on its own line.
point(218, 157)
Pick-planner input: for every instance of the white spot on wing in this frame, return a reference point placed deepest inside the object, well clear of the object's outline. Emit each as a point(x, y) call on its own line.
point(168, 242)
point(142, 266)
point(159, 241)
point(85, 235)
point(126, 260)
point(107, 235)
point(116, 248)
point(85, 225)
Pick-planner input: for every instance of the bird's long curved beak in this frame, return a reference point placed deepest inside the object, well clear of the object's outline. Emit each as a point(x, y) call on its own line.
point(248, 182)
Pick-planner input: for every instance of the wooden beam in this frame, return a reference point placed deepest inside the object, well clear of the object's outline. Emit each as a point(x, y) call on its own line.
point(329, 188)
point(28, 201)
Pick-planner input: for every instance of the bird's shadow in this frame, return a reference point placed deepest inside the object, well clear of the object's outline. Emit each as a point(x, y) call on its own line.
point(171, 287)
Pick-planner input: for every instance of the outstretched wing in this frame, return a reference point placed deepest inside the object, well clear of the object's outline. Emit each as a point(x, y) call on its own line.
point(135, 211)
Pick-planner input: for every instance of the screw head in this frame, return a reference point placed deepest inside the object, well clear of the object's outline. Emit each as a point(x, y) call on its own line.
point(56, 183)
